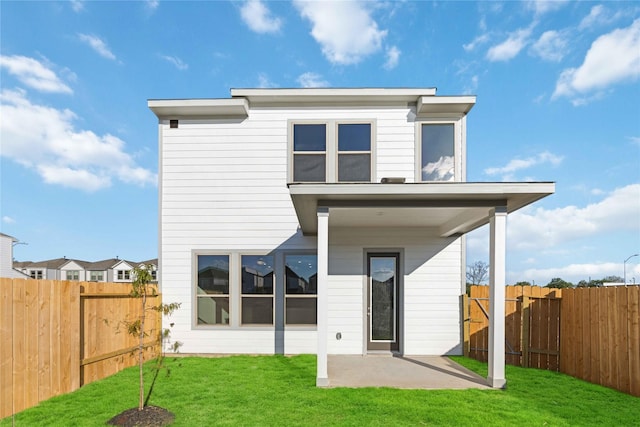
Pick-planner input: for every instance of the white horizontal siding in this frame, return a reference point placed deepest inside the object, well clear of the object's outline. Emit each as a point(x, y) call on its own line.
point(224, 189)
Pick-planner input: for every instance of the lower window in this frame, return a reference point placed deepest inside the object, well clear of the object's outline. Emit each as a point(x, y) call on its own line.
point(301, 275)
point(257, 289)
point(213, 290)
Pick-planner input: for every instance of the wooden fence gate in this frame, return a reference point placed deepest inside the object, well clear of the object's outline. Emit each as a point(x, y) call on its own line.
point(588, 333)
point(56, 336)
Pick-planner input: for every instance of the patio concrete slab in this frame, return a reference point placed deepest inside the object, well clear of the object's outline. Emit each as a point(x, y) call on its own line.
point(409, 372)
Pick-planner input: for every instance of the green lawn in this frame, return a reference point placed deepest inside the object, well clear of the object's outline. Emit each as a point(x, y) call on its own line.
point(278, 390)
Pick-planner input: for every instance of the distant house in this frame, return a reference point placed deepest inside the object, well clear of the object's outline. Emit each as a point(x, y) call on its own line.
point(326, 221)
point(108, 270)
point(6, 258)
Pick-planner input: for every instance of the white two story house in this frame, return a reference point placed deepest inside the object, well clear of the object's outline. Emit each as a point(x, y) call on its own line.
point(326, 221)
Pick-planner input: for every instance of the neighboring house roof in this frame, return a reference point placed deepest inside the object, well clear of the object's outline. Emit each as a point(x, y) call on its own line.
point(103, 265)
point(11, 237)
point(52, 264)
point(151, 261)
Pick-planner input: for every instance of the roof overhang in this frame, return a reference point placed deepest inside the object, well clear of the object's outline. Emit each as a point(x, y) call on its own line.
point(458, 105)
point(332, 96)
point(452, 208)
point(196, 108)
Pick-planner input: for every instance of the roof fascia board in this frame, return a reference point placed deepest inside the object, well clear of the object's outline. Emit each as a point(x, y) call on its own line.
point(333, 96)
point(445, 104)
point(198, 108)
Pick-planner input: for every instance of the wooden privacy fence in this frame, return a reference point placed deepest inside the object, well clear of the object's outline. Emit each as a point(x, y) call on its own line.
point(56, 336)
point(589, 333)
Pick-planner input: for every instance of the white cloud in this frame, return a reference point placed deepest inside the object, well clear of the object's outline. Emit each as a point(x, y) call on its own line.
point(635, 140)
point(258, 18)
point(519, 164)
point(479, 40)
point(60, 153)
point(77, 5)
point(33, 74)
point(559, 231)
point(264, 82)
point(511, 47)
point(175, 61)
point(595, 15)
point(152, 5)
point(551, 46)
point(393, 56)
point(344, 29)
point(540, 229)
point(8, 220)
point(612, 58)
point(98, 45)
point(311, 79)
point(540, 7)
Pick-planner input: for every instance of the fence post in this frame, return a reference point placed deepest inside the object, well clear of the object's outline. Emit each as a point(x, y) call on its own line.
point(466, 325)
point(525, 331)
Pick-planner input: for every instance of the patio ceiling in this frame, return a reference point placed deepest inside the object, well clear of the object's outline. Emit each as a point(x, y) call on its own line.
point(452, 208)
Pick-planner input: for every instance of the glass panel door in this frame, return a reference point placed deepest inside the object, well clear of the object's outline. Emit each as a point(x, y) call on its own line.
point(382, 306)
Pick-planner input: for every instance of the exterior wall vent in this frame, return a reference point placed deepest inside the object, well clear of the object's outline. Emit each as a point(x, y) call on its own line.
point(173, 124)
point(392, 181)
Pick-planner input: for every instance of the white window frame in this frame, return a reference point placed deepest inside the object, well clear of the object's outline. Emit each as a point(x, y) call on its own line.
point(75, 273)
point(331, 148)
point(95, 273)
point(36, 274)
point(458, 172)
point(124, 274)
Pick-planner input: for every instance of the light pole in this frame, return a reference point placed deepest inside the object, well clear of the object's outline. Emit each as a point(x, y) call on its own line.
point(624, 264)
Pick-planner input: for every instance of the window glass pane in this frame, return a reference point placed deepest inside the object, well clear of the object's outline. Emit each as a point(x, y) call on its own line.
point(309, 137)
point(354, 167)
point(354, 137)
point(257, 310)
point(383, 288)
point(301, 273)
point(437, 152)
point(213, 310)
point(257, 274)
point(301, 311)
point(309, 168)
point(213, 274)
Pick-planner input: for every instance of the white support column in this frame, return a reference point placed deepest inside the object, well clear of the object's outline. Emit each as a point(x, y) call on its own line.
point(497, 282)
point(322, 376)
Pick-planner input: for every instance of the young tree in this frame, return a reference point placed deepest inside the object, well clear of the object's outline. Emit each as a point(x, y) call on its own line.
point(141, 288)
point(477, 273)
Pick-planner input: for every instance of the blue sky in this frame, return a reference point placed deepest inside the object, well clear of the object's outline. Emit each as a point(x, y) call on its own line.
point(557, 85)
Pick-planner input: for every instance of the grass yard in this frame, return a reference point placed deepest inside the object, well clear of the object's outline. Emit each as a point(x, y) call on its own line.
point(278, 390)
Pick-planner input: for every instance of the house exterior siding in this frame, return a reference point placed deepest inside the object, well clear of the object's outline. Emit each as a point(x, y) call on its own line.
point(224, 191)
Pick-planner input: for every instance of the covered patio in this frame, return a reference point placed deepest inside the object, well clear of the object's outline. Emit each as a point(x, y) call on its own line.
point(408, 372)
point(451, 209)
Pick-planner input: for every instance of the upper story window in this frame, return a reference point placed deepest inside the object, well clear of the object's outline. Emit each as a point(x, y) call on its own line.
point(354, 152)
point(96, 276)
point(73, 275)
point(332, 152)
point(309, 152)
point(36, 274)
point(437, 147)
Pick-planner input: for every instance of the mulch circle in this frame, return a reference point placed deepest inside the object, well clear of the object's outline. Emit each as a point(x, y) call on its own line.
point(149, 416)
